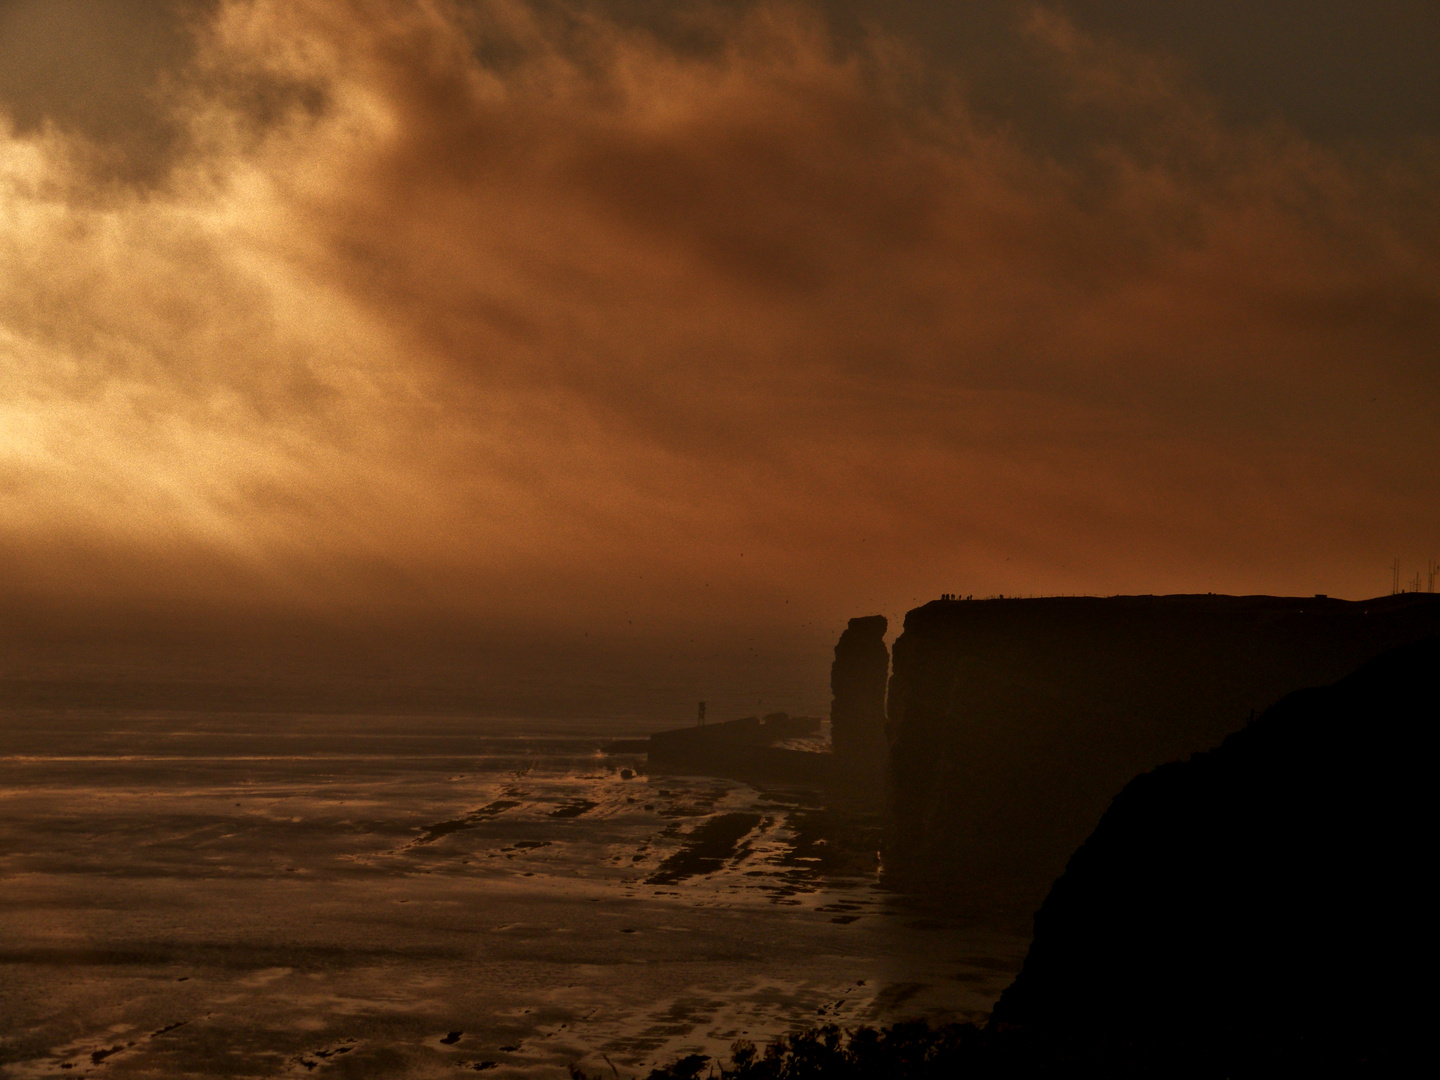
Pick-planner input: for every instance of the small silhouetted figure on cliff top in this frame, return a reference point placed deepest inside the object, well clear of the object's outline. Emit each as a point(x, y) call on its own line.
point(857, 682)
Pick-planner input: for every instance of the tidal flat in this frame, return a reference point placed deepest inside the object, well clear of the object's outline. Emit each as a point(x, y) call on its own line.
point(270, 895)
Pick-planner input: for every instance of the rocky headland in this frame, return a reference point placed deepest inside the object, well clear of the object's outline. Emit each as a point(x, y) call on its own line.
point(751, 749)
point(1013, 723)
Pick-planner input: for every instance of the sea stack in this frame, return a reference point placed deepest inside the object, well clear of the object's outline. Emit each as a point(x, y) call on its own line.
point(858, 679)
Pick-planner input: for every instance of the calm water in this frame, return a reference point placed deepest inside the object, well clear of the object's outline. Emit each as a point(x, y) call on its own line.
point(286, 895)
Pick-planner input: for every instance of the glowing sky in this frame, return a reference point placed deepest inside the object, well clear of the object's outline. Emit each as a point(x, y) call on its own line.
point(754, 315)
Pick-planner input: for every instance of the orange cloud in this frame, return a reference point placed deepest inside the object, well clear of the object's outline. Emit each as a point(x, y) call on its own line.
point(461, 308)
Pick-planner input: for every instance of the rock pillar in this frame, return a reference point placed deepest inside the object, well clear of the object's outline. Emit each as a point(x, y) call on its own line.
point(857, 684)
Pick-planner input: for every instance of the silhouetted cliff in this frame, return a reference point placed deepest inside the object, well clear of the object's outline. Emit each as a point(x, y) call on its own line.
point(1013, 723)
point(857, 714)
point(1256, 910)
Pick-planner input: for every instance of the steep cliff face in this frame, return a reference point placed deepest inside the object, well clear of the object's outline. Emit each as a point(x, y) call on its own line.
point(857, 714)
point(1013, 723)
point(1252, 911)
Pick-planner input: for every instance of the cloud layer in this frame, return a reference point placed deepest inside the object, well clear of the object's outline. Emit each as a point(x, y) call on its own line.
point(507, 309)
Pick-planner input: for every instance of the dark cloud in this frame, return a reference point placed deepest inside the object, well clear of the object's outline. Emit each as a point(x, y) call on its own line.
point(1334, 69)
point(98, 68)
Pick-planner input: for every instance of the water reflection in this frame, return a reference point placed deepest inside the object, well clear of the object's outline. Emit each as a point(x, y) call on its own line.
point(260, 896)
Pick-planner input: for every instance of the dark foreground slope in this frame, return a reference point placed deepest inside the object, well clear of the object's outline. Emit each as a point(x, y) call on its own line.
point(1256, 910)
point(1013, 723)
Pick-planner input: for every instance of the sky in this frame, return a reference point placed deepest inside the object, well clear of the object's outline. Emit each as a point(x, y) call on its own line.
point(697, 328)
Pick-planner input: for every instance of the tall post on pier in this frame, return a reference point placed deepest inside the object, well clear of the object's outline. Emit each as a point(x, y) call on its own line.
point(700, 715)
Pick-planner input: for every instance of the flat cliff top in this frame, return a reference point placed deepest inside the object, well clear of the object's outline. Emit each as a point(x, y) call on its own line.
point(1187, 605)
point(1108, 653)
point(1173, 639)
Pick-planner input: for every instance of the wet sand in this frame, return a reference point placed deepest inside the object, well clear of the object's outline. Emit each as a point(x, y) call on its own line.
point(280, 895)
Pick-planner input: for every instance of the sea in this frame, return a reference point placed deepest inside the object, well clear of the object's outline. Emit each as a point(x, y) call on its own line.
point(201, 894)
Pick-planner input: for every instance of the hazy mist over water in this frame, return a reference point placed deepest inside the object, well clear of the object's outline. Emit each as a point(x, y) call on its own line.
point(271, 894)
